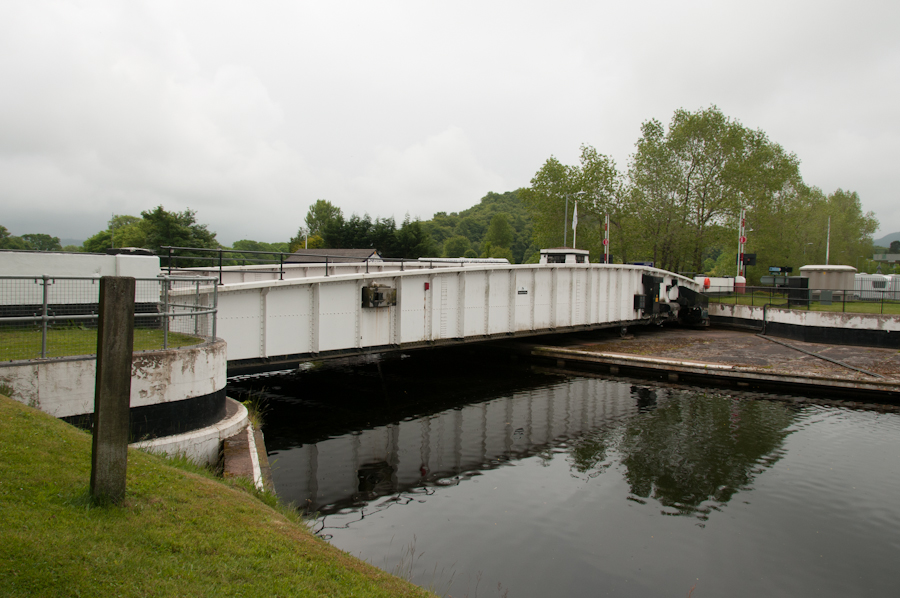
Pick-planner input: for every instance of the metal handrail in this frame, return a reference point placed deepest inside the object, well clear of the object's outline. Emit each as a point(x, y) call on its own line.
point(218, 258)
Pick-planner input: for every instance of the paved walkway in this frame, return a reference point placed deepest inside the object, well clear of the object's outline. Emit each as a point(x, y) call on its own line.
point(725, 352)
point(247, 459)
point(749, 350)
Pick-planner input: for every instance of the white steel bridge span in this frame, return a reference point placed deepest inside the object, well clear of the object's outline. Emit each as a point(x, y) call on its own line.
point(273, 323)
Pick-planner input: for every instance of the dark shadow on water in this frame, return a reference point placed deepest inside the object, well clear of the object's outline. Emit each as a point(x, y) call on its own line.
point(688, 449)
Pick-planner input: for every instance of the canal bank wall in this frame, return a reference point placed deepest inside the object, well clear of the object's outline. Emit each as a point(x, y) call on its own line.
point(737, 358)
point(864, 330)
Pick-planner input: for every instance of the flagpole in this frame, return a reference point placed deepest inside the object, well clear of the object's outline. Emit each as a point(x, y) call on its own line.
point(575, 227)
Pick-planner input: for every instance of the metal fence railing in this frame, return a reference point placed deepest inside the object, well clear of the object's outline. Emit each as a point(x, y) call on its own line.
point(271, 262)
point(838, 300)
point(56, 316)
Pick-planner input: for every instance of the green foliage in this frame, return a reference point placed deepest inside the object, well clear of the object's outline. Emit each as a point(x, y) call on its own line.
point(156, 228)
point(597, 187)
point(413, 240)
point(10, 241)
point(361, 232)
point(42, 242)
point(98, 243)
point(499, 233)
point(300, 243)
point(270, 255)
point(177, 229)
point(474, 223)
point(126, 231)
point(29, 241)
point(895, 247)
point(501, 252)
point(456, 246)
point(452, 234)
point(320, 215)
point(681, 199)
point(249, 245)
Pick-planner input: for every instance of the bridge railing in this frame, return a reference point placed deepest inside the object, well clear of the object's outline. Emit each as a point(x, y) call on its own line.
point(274, 262)
point(44, 316)
point(873, 301)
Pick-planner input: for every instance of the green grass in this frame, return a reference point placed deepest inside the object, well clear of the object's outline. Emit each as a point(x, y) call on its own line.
point(858, 307)
point(177, 533)
point(66, 342)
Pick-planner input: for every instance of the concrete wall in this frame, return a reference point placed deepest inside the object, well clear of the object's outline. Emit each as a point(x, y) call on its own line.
point(824, 319)
point(30, 263)
point(201, 446)
point(717, 284)
point(72, 265)
point(868, 330)
point(65, 387)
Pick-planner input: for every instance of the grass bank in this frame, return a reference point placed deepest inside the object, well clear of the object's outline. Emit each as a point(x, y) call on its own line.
point(178, 533)
point(67, 342)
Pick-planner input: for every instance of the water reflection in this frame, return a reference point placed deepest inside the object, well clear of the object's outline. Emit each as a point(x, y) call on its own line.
point(696, 447)
point(686, 449)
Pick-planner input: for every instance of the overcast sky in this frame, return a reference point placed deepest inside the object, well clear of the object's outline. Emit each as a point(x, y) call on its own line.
point(247, 112)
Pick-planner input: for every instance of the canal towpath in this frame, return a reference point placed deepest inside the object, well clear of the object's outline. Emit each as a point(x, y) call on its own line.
point(734, 357)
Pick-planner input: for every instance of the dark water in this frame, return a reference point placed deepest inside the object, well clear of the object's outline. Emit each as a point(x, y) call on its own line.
point(480, 476)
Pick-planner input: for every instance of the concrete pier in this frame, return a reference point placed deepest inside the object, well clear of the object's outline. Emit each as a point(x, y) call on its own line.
point(736, 358)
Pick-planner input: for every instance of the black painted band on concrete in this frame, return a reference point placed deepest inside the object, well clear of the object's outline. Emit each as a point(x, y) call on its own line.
point(166, 419)
point(883, 339)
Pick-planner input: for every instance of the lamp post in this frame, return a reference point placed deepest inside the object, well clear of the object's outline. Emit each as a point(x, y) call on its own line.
point(566, 225)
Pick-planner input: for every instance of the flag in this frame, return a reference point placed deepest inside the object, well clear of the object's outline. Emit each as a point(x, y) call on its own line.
point(575, 217)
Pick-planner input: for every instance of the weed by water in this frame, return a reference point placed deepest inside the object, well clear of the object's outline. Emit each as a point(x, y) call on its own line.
point(257, 406)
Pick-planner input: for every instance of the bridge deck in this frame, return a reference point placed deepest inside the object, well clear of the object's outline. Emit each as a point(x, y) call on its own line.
point(279, 321)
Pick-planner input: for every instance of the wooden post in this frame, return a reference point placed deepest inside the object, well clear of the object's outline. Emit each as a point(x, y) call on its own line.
point(112, 391)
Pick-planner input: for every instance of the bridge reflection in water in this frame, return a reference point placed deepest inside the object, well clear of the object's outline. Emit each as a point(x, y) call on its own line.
point(687, 449)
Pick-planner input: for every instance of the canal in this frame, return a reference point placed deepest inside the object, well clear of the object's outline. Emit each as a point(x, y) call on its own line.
point(476, 473)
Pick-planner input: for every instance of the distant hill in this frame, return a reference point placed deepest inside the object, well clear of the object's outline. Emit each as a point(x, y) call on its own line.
point(885, 241)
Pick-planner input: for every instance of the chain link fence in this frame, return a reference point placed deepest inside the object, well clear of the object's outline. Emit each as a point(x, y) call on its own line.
point(56, 316)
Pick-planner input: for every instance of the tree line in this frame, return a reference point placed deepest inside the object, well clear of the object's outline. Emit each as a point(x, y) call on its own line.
point(679, 202)
point(498, 226)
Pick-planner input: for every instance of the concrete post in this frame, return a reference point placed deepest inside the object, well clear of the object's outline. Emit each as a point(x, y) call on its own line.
point(112, 391)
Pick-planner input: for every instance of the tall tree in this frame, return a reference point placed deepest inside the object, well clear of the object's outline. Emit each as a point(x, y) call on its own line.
point(179, 229)
point(546, 201)
point(319, 216)
point(660, 214)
